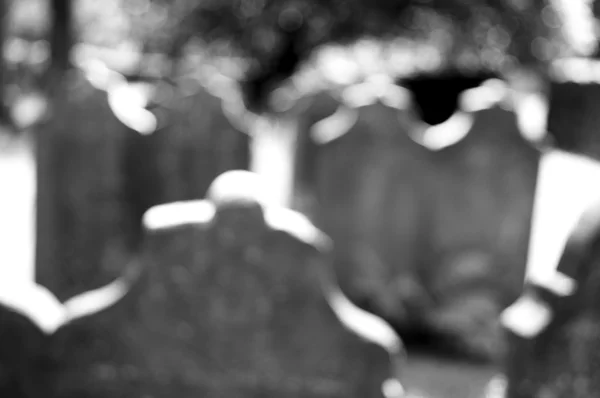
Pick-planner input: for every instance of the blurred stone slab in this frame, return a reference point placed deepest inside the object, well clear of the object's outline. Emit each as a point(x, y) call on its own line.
point(307, 111)
point(226, 300)
point(552, 338)
point(482, 204)
point(82, 234)
point(573, 116)
point(234, 305)
point(40, 337)
point(195, 140)
point(371, 195)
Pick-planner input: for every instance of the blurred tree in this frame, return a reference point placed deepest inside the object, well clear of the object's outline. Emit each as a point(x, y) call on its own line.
point(275, 36)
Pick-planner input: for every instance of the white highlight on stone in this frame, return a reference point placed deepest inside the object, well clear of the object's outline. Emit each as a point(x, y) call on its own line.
point(127, 101)
point(496, 388)
point(175, 214)
point(556, 282)
point(366, 325)
point(489, 93)
point(297, 225)
point(46, 312)
point(444, 134)
point(392, 388)
point(532, 116)
point(334, 126)
point(527, 317)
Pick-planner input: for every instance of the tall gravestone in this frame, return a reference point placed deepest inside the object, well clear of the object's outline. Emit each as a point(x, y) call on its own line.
point(195, 140)
point(233, 299)
point(309, 110)
point(553, 328)
point(81, 233)
point(371, 194)
point(482, 203)
point(266, 267)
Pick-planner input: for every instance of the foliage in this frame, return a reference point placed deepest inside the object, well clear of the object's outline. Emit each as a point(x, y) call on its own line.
point(494, 31)
point(488, 32)
point(273, 37)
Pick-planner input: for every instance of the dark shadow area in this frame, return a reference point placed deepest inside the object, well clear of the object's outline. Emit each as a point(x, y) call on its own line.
point(437, 95)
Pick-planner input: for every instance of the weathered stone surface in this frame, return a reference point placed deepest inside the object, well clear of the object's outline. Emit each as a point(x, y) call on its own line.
point(371, 190)
point(82, 235)
point(101, 355)
point(41, 337)
point(194, 142)
point(573, 117)
point(234, 306)
point(20, 342)
point(432, 238)
point(483, 200)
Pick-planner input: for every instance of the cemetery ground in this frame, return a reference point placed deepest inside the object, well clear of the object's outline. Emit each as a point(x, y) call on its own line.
point(428, 376)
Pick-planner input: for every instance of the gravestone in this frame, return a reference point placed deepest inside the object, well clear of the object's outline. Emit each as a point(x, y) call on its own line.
point(372, 193)
point(242, 303)
point(33, 348)
point(573, 116)
point(81, 230)
point(309, 110)
point(553, 327)
point(195, 140)
point(481, 213)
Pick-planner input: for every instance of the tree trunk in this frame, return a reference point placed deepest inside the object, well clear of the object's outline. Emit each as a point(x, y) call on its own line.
point(61, 38)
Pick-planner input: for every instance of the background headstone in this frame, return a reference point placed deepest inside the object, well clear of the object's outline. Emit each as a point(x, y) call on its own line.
point(194, 142)
point(371, 198)
point(480, 230)
point(20, 342)
point(309, 109)
point(234, 307)
point(82, 234)
point(573, 117)
point(33, 348)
